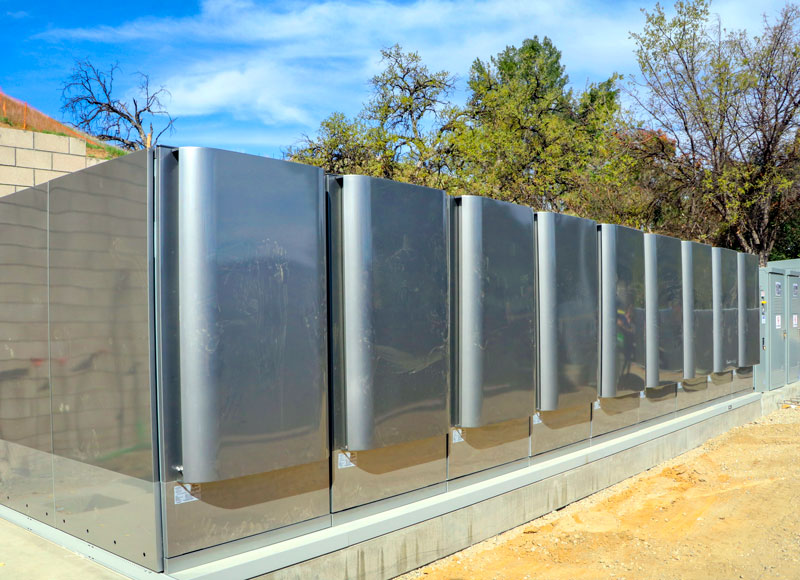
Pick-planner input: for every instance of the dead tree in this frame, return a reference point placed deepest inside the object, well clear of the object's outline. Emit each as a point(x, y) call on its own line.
point(88, 99)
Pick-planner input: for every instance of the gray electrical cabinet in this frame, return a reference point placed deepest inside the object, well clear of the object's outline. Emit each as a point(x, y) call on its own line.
point(494, 393)
point(568, 315)
point(776, 328)
point(622, 299)
point(792, 293)
point(771, 372)
point(390, 317)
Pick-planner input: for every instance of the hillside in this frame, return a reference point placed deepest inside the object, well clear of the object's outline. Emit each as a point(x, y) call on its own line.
point(18, 114)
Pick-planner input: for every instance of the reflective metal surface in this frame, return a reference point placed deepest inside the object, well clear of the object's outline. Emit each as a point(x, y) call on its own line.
point(725, 275)
point(496, 319)
point(792, 326)
point(622, 369)
point(26, 465)
point(554, 429)
point(611, 414)
point(658, 402)
point(698, 317)
point(265, 407)
point(692, 392)
point(664, 309)
point(390, 312)
point(203, 515)
point(742, 379)
point(361, 477)
point(568, 311)
point(471, 450)
point(749, 350)
point(105, 476)
point(776, 327)
point(719, 385)
point(253, 317)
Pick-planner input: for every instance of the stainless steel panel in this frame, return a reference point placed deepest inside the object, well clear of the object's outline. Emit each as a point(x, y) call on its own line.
point(725, 279)
point(776, 327)
point(692, 392)
point(658, 402)
point(251, 273)
point(470, 450)
point(792, 291)
point(496, 319)
point(105, 475)
point(664, 310)
point(719, 385)
point(568, 311)
point(361, 477)
point(698, 343)
point(611, 414)
point(237, 508)
point(749, 350)
point(554, 429)
point(742, 380)
point(26, 465)
point(622, 295)
point(267, 264)
point(390, 312)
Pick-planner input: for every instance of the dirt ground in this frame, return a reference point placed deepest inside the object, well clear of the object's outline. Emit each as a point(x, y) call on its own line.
point(728, 509)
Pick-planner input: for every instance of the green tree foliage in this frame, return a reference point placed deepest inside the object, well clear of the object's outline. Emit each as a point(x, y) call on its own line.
point(713, 155)
point(399, 132)
point(523, 135)
point(730, 104)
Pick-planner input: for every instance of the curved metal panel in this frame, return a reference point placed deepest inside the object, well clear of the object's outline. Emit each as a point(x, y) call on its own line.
point(253, 318)
point(391, 287)
point(664, 310)
point(622, 286)
point(568, 310)
point(670, 298)
point(698, 352)
point(725, 279)
point(496, 318)
point(749, 351)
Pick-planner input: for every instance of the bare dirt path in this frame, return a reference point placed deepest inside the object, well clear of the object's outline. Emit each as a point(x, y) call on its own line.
point(728, 509)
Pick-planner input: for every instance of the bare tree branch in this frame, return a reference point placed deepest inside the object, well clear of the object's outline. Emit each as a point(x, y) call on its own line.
point(88, 98)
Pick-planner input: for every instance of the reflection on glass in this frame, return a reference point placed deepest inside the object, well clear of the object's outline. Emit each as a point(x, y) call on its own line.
point(25, 437)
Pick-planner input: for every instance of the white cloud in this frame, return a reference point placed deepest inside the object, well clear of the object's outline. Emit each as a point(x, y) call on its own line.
point(291, 64)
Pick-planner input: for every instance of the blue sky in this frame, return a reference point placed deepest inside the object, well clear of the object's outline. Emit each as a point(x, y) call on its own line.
point(255, 76)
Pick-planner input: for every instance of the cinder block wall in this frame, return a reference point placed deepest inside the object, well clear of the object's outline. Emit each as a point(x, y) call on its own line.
point(28, 158)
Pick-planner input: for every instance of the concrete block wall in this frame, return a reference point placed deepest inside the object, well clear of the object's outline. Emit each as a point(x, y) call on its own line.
point(28, 158)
